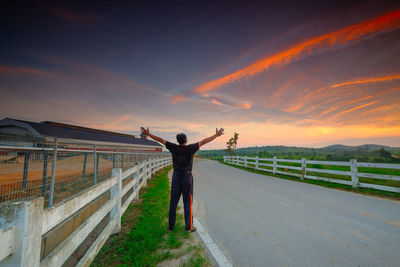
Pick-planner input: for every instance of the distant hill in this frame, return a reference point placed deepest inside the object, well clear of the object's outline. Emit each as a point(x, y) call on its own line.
point(365, 153)
point(366, 146)
point(336, 147)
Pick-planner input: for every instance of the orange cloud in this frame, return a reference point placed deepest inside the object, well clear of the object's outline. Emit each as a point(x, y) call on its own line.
point(216, 102)
point(178, 98)
point(370, 80)
point(16, 70)
point(378, 25)
point(354, 109)
point(245, 106)
point(224, 102)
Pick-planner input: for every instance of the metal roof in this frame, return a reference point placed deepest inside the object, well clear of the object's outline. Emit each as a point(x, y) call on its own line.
point(68, 131)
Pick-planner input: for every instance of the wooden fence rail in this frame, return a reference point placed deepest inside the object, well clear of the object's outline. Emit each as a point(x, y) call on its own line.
point(33, 236)
point(278, 166)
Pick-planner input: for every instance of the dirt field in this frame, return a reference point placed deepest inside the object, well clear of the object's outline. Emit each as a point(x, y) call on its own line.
point(68, 170)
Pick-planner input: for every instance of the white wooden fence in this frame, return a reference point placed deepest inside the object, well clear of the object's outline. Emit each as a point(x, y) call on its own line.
point(275, 166)
point(24, 223)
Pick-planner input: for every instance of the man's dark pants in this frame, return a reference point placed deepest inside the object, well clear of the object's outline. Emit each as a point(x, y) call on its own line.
point(182, 183)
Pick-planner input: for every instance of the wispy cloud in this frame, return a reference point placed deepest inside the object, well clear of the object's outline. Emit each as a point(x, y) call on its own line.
point(369, 80)
point(178, 98)
point(21, 70)
point(90, 72)
point(354, 109)
point(332, 40)
point(312, 99)
point(71, 15)
point(224, 102)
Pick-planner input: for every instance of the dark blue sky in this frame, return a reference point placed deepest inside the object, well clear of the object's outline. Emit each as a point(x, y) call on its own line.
point(118, 65)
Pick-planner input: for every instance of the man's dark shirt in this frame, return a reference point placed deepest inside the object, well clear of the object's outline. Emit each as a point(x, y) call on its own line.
point(182, 156)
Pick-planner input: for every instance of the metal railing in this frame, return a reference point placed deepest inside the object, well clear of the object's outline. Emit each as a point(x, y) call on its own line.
point(381, 176)
point(56, 169)
point(33, 236)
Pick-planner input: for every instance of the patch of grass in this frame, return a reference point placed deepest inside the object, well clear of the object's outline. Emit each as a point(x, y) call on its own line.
point(196, 261)
point(365, 191)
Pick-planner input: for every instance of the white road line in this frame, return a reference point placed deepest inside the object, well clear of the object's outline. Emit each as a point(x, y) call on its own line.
point(211, 246)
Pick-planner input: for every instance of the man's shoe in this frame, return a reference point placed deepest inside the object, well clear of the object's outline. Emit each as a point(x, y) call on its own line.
point(192, 230)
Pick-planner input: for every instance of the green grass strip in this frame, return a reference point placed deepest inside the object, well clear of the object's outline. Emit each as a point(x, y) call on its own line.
point(365, 191)
point(147, 235)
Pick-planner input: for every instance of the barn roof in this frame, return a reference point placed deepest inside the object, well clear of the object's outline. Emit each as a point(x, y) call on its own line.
point(68, 131)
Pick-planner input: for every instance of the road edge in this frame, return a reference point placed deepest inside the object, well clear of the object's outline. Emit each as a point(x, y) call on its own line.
point(212, 248)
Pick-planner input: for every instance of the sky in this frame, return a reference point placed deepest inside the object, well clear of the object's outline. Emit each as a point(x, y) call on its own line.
point(298, 73)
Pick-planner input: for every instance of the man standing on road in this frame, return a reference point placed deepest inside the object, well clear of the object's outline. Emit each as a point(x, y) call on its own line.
point(182, 179)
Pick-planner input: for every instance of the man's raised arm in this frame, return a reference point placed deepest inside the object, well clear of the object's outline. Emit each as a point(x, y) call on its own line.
point(147, 132)
point(209, 139)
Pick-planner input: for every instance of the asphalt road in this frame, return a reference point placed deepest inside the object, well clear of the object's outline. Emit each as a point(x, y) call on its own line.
point(258, 220)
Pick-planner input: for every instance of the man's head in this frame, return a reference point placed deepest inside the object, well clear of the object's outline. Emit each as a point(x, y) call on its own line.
point(181, 138)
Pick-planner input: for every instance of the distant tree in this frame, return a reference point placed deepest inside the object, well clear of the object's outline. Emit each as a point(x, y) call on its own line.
point(232, 143)
point(384, 154)
point(235, 139)
point(229, 146)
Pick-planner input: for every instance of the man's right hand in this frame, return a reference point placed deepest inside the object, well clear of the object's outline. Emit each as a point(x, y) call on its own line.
point(144, 130)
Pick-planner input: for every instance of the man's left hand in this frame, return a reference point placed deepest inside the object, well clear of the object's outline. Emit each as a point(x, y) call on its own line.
point(219, 132)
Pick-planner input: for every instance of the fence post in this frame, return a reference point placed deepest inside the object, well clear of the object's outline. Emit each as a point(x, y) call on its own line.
point(245, 161)
point(44, 179)
point(150, 167)
point(53, 172)
point(27, 218)
point(353, 170)
point(84, 165)
point(94, 165)
point(237, 160)
point(303, 167)
point(256, 164)
point(145, 172)
point(115, 213)
point(97, 166)
point(117, 158)
point(26, 168)
point(274, 165)
point(136, 177)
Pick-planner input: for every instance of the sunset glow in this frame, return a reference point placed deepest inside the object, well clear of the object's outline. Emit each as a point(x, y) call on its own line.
point(308, 74)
